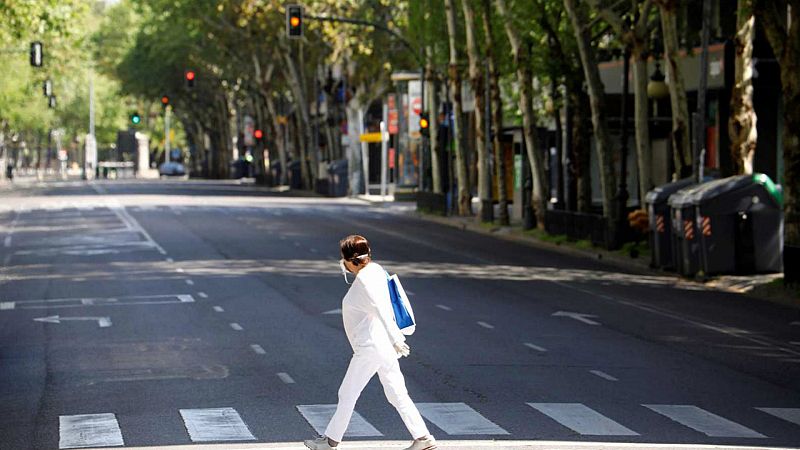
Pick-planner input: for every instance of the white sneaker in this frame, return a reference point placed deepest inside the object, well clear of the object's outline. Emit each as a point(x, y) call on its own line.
point(320, 443)
point(426, 443)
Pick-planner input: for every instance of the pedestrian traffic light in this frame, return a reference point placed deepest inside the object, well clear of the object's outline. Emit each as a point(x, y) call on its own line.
point(37, 54)
point(164, 101)
point(258, 134)
point(189, 75)
point(294, 21)
point(47, 88)
point(136, 119)
point(424, 124)
point(51, 101)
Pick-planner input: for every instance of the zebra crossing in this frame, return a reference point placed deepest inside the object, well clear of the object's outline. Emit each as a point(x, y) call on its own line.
point(225, 424)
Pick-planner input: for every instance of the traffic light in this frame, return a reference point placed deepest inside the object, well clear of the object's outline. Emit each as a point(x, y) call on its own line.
point(424, 124)
point(51, 101)
point(294, 21)
point(136, 119)
point(47, 88)
point(37, 54)
point(164, 101)
point(189, 75)
point(258, 134)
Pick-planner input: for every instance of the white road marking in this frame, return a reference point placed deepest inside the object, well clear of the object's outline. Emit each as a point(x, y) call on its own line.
point(190, 282)
point(202, 295)
point(535, 347)
point(333, 311)
point(103, 322)
point(132, 224)
point(108, 301)
point(236, 326)
point(486, 325)
point(703, 421)
point(297, 244)
point(794, 342)
point(179, 270)
point(285, 377)
point(170, 260)
point(258, 349)
point(411, 294)
point(89, 430)
point(7, 241)
point(318, 417)
point(312, 250)
point(795, 323)
point(458, 419)
point(219, 309)
point(582, 419)
point(445, 308)
point(215, 424)
point(603, 375)
point(788, 414)
point(585, 318)
point(6, 306)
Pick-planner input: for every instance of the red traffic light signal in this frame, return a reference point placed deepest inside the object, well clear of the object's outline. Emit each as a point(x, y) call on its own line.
point(190, 76)
point(294, 21)
point(164, 100)
point(258, 134)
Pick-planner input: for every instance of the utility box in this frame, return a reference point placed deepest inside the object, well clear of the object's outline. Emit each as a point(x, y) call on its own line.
point(658, 212)
point(740, 224)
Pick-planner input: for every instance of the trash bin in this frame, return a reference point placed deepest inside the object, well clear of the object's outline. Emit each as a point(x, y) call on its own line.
point(685, 242)
point(295, 176)
point(337, 178)
point(740, 224)
point(658, 213)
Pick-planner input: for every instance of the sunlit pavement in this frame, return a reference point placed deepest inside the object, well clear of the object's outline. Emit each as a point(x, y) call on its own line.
point(205, 314)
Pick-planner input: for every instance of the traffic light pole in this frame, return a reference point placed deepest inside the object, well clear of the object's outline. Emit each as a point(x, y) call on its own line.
point(166, 134)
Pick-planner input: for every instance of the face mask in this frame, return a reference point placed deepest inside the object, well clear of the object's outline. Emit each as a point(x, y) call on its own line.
point(344, 271)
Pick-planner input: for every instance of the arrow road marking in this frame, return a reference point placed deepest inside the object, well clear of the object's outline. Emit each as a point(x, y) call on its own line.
point(585, 318)
point(103, 322)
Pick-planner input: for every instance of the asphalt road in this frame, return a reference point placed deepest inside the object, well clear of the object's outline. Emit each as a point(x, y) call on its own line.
point(166, 313)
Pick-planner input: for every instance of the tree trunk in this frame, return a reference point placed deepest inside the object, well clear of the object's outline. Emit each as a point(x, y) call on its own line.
point(581, 148)
point(431, 87)
point(642, 122)
point(292, 76)
point(677, 89)
point(477, 80)
point(578, 18)
point(742, 122)
point(497, 117)
point(278, 134)
point(462, 177)
point(525, 80)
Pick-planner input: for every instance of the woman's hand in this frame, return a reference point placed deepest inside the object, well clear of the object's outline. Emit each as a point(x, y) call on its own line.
point(402, 349)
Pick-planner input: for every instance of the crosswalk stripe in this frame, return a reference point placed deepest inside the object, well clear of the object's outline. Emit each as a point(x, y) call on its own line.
point(458, 419)
point(318, 417)
point(89, 430)
point(788, 414)
point(215, 424)
point(703, 421)
point(582, 419)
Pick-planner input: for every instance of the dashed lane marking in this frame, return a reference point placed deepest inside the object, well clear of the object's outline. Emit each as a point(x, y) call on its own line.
point(258, 349)
point(444, 308)
point(236, 326)
point(535, 347)
point(219, 309)
point(285, 377)
point(603, 375)
point(486, 325)
point(202, 295)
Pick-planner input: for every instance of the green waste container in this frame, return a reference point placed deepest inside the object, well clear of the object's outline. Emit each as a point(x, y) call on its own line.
point(740, 225)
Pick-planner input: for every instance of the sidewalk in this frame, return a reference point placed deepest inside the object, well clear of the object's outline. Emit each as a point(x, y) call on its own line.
point(461, 445)
point(762, 286)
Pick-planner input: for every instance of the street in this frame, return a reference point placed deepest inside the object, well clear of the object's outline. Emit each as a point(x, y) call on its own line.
point(166, 313)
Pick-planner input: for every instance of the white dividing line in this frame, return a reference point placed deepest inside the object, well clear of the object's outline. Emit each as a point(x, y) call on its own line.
point(89, 430)
point(582, 419)
point(236, 326)
point(788, 414)
point(603, 375)
point(110, 301)
point(215, 424)
point(535, 347)
point(444, 308)
point(6, 306)
point(190, 282)
point(458, 419)
point(170, 260)
point(202, 295)
point(258, 349)
point(285, 377)
point(703, 421)
point(179, 270)
point(486, 325)
point(318, 417)
point(131, 223)
point(219, 309)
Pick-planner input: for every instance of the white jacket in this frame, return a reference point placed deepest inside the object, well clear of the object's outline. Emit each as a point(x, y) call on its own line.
point(368, 316)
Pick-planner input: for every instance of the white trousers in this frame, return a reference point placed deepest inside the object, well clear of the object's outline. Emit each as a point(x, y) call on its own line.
point(362, 368)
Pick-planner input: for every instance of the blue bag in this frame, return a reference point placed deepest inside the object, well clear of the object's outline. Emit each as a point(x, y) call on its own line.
point(403, 314)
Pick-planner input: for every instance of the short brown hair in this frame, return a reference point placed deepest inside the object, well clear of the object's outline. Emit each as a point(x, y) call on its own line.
point(354, 246)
